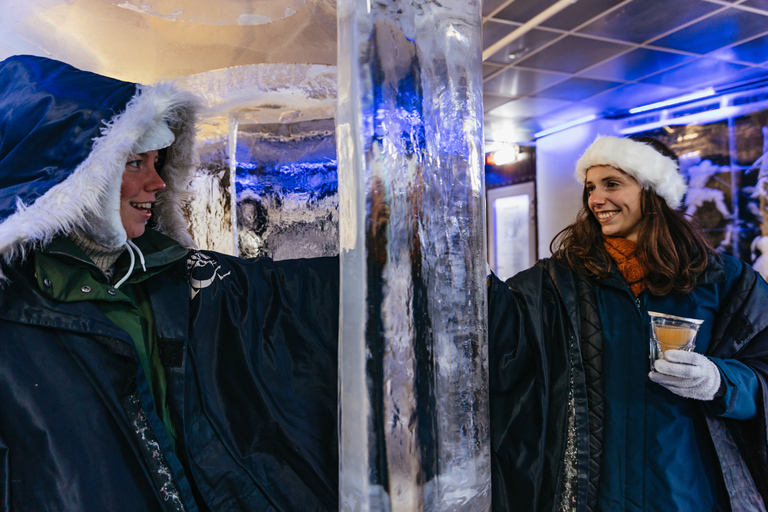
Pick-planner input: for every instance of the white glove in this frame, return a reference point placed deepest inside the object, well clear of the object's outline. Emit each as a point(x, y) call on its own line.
point(687, 374)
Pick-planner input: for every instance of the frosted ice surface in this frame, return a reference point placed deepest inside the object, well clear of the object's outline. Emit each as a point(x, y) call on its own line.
point(287, 190)
point(253, 19)
point(413, 98)
point(281, 119)
point(231, 12)
point(210, 207)
point(264, 87)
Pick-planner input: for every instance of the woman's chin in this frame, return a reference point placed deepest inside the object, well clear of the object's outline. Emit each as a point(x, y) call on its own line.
point(136, 231)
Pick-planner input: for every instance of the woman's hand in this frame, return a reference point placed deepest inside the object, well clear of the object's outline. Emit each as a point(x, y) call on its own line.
point(687, 374)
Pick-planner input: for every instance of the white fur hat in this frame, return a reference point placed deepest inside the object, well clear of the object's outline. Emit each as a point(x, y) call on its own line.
point(641, 161)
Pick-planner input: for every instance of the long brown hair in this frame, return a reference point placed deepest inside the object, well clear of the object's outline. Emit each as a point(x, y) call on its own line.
point(672, 247)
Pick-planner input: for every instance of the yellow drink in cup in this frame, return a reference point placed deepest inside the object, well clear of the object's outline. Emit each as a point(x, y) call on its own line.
point(671, 337)
point(670, 332)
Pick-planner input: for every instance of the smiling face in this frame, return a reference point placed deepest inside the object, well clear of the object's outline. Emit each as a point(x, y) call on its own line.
point(614, 199)
point(137, 193)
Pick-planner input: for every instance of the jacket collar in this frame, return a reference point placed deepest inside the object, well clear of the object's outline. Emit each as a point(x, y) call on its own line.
point(63, 269)
point(713, 273)
point(23, 299)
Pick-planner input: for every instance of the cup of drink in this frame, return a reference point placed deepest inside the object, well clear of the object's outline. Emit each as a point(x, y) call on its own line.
point(672, 332)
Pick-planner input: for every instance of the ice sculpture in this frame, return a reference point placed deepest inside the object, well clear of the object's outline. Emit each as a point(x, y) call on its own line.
point(210, 210)
point(760, 243)
point(414, 432)
point(287, 190)
point(267, 183)
point(700, 173)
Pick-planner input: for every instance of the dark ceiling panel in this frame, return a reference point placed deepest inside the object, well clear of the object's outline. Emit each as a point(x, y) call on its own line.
point(495, 30)
point(637, 64)
point(575, 89)
point(576, 14)
point(698, 74)
point(749, 75)
point(491, 101)
point(572, 54)
point(523, 10)
point(564, 115)
point(755, 51)
point(490, 5)
point(489, 69)
point(529, 107)
point(530, 124)
point(519, 82)
point(721, 29)
point(523, 45)
point(631, 96)
point(641, 20)
point(757, 4)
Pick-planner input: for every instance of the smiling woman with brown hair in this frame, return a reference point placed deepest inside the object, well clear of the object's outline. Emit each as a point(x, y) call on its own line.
point(581, 420)
point(672, 249)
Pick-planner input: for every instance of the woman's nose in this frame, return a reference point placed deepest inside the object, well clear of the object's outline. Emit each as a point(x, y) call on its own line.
point(596, 198)
point(155, 182)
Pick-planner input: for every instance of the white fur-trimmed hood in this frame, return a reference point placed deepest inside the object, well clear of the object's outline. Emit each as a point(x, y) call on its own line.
point(649, 167)
point(88, 199)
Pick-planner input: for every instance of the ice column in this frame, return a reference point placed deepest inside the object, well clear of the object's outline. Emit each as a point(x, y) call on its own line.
point(413, 418)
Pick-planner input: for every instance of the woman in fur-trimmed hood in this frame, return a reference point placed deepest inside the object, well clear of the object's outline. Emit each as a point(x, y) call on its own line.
point(581, 419)
point(137, 373)
point(66, 135)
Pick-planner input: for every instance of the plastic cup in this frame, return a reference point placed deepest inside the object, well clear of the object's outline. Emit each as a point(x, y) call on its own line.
point(672, 332)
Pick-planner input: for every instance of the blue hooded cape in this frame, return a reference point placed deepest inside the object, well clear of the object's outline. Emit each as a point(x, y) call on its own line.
point(248, 347)
point(64, 137)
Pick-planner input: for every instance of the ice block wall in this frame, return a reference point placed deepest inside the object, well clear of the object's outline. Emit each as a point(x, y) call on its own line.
point(267, 183)
point(210, 210)
point(413, 420)
point(287, 190)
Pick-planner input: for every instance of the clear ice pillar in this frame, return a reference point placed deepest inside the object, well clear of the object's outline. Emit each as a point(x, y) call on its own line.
point(413, 393)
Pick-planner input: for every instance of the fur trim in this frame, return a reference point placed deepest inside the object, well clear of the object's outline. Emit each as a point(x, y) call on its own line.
point(158, 136)
point(649, 167)
point(88, 200)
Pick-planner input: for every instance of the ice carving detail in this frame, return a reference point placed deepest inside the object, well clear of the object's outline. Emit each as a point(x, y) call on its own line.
point(414, 431)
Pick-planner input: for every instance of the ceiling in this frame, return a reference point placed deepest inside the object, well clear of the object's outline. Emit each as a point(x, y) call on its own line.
point(603, 57)
point(592, 58)
point(149, 40)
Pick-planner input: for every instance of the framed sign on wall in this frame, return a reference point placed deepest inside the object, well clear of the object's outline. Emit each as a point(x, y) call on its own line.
point(511, 228)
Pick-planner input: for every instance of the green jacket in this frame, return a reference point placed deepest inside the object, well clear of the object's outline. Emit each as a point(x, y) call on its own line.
point(66, 274)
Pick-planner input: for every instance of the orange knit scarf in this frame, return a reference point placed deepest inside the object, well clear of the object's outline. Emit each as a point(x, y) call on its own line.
point(623, 253)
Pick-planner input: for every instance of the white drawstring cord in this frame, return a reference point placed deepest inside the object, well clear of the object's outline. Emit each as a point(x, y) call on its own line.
point(131, 246)
point(141, 256)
